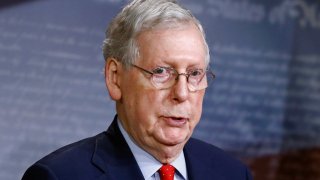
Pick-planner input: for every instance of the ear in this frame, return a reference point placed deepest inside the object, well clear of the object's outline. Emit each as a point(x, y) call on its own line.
point(112, 72)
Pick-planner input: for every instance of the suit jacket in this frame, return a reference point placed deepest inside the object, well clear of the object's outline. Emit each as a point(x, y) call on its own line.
point(107, 156)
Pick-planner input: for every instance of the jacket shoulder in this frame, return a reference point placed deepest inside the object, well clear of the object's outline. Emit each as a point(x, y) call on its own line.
point(72, 159)
point(214, 161)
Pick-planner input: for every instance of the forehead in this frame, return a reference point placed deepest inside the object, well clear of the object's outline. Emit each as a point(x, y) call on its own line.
point(178, 46)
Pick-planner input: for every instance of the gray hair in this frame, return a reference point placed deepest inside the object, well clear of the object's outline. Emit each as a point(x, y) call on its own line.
point(143, 15)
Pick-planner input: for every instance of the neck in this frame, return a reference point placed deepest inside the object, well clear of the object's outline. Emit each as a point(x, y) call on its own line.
point(167, 154)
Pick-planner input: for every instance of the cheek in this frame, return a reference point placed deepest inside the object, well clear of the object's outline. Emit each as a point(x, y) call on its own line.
point(197, 103)
point(142, 102)
point(140, 92)
point(146, 110)
point(150, 101)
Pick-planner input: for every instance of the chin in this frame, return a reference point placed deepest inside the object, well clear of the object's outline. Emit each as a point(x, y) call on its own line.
point(175, 140)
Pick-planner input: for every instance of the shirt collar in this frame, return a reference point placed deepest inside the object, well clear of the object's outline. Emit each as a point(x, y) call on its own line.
point(146, 162)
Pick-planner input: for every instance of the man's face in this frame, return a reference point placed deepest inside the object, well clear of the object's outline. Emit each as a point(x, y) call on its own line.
point(160, 119)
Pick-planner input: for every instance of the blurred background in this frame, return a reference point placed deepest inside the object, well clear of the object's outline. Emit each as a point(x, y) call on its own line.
point(264, 106)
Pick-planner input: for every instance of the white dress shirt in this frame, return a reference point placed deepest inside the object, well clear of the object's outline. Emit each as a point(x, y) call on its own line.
point(148, 165)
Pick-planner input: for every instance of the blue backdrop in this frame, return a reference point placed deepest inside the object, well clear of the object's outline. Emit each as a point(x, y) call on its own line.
point(264, 102)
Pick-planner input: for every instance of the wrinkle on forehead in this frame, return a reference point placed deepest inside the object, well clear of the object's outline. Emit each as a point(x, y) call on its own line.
point(170, 45)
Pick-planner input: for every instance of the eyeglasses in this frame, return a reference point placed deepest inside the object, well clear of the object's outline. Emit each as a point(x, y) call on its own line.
point(166, 77)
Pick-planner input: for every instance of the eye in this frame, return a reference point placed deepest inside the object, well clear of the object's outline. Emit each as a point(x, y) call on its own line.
point(196, 73)
point(161, 74)
point(159, 71)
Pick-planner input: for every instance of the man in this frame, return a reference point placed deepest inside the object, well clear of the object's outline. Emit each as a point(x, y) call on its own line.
point(157, 72)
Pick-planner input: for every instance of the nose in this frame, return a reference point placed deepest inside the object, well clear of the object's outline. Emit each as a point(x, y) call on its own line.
point(180, 91)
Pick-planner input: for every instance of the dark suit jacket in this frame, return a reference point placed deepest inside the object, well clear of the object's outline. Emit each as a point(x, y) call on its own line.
point(107, 156)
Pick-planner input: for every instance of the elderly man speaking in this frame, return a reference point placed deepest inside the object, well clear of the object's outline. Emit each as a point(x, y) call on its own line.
point(156, 72)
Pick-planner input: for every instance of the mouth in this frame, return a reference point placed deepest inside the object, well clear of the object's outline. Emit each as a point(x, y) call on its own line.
point(178, 118)
point(175, 121)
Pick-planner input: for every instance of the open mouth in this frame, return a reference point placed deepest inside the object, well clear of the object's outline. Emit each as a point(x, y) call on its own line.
point(177, 118)
point(175, 121)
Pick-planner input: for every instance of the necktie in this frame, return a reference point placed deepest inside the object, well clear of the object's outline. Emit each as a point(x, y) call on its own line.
point(166, 172)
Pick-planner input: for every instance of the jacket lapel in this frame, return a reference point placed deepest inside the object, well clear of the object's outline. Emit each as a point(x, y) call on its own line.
point(198, 167)
point(113, 156)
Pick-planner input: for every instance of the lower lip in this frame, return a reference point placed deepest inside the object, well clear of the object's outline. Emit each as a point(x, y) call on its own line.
point(175, 122)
